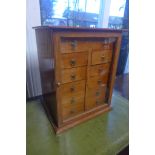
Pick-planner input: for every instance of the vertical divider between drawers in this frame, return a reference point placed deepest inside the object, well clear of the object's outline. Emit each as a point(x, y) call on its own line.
point(87, 74)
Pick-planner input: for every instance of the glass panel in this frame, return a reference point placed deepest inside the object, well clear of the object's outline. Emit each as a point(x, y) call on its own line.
point(81, 13)
point(116, 15)
point(70, 12)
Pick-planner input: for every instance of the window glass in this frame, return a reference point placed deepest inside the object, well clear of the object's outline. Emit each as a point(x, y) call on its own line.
point(116, 14)
point(70, 12)
point(82, 13)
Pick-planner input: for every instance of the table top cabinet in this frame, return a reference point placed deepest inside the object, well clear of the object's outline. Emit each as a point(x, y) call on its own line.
point(77, 69)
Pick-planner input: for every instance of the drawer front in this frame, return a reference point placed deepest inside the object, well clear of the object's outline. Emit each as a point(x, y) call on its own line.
point(73, 89)
point(74, 59)
point(72, 98)
point(95, 97)
point(75, 100)
point(102, 46)
point(99, 57)
point(74, 74)
point(93, 102)
point(73, 110)
point(99, 70)
point(95, 82)
point(69, 46)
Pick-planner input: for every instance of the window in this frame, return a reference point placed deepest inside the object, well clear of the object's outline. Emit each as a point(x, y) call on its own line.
point(116, 14)
point(83, 13)
point(70, 12)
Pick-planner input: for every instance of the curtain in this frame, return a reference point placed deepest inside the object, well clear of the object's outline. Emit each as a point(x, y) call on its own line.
point(33, 83)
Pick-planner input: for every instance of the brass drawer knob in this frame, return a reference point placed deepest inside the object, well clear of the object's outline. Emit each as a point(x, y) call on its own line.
point(72, 111)
point(72, 62)
point(106, 40)
point(97, 102)
point(74, 44)
point(97, 93)
point(72, 89)
point(72, 101)
point(102, 58)
point(58, 84)
point(73, 76)
point(100, 70)
point(99, 82)
point(106, 46)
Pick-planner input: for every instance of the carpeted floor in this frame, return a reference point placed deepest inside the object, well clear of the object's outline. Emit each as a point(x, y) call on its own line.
point(106, 134)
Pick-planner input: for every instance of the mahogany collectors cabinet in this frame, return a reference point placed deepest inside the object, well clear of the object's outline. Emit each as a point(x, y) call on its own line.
point(77, 69)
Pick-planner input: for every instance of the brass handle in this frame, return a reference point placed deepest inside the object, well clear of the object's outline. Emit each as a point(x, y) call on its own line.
point(106, 40)
point(58, 84)
point(102, 57)
point(72, 62)
point(72, 89)
point(73, 76)
point(99, 81)
point(72, 100)
point(97, 93)
point(103, 85)
point(100, 70)
point(106, 46)
point(72, 111)
point(97, 102)
point(74, 44)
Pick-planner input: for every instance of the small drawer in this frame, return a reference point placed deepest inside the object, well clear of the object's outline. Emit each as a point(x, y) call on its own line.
point(99, 70)
point(93, 102)
point(72, 90)
point(95, 97)
point(70, 60)
point(97, 93)
point(69, 46)
point(74, 74)
point(102, 46)
point(72, 101)
point(99, 57)
point(95, 82)
point(71, 111)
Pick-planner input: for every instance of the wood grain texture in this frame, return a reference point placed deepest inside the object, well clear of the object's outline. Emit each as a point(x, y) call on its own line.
point(69, 90)
point(84, 66)
point(97, 81)
point(79, 29)
point(100, 45)
point(73, 46)
point(82, 118)
point(95, 97)
point(47, 69)
point(98, 70)
point(73, 110)
point(74, 60)
point(114, 67)
point(73, 74)
point(99, 57)
point(57, 57)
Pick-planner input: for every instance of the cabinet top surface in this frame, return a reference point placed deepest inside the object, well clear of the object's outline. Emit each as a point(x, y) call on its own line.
point(69, 28)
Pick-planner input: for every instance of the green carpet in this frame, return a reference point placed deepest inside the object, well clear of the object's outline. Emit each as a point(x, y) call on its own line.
point(106, 134)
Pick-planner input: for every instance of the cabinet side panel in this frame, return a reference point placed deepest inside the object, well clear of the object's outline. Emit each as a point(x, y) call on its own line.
point(47, 70)
point(114, 68)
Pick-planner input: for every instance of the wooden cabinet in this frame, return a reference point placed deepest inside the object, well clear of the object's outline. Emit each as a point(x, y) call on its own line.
point(77, 68)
